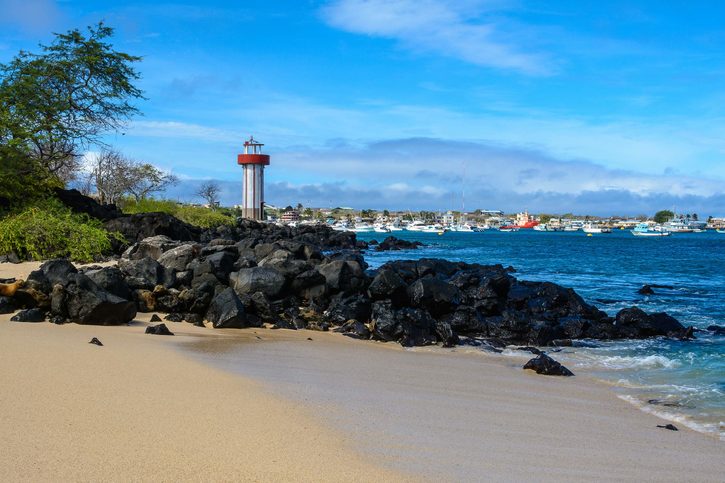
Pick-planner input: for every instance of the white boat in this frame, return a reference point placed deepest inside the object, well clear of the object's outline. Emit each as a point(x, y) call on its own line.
point(340, 226)
point(381, 228)
point(362, 228)
point(464, 228)
point(643, 229)
point(416, 225)
point(433, 229)
point(508, 229)
point(591, 228)
point(720, 231)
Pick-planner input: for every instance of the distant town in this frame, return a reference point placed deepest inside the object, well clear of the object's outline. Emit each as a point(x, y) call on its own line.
point(478, 220)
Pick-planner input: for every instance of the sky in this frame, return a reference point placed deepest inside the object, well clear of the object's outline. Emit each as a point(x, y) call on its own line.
point(590, 107)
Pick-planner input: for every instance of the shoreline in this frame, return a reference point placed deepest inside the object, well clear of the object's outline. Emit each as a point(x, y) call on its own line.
point(571, 429)
point(523, 425)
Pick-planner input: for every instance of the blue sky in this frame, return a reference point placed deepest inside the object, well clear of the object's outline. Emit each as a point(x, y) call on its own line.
point(592, 107)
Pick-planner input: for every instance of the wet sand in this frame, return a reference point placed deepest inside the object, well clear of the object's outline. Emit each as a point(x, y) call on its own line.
point(466, 416)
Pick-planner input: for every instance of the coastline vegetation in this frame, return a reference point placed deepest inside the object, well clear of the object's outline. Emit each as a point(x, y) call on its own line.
point(200, 216)
point(47, 229)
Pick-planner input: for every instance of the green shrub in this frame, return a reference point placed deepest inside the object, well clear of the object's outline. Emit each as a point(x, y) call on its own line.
point(194, 215)
point(48, 229)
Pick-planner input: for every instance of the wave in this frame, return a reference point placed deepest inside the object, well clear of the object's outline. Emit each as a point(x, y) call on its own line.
point(702, 427)
point(631, 362)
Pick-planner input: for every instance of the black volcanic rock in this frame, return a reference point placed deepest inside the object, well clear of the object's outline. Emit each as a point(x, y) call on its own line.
point(634, 323)
point(143, 225)
point(387, 284)
point(544, 364)
point(29, 315)
point(84, 302)
point(355, 329)
point(227, 311)
point(257, 279)
point(393, 243)
point(159, 329)
point(112, 280)
point(80, 203)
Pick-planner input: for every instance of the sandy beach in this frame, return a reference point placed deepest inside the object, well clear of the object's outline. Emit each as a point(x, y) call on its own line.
point(265, 405)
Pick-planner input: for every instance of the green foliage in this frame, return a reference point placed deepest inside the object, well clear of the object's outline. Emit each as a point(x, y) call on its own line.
point(66, 97)
point(545, 218)
point(22, 179)
point(48, 229)
point(194, 215)
point(663, 216)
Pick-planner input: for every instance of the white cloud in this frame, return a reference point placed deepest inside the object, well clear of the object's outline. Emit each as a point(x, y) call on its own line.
point(452, 28)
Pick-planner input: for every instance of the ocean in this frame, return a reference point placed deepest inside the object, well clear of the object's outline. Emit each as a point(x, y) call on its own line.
point(680, 381)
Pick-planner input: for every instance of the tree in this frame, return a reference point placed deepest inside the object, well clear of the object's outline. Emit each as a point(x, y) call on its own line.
point(386, 213)
point(111, 175)
point(209, 191)
point(146, 179)
point(55, 103)
point(663, 216)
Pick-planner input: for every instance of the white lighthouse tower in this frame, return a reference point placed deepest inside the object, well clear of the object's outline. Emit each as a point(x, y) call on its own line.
point(253, 162)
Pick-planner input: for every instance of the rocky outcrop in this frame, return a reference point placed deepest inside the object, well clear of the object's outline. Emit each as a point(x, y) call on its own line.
point(80, 203)
point(313, 277)
point(393, 243)
point(543, 364)
point(136, 227)
point(59, 290)
point(226, 311)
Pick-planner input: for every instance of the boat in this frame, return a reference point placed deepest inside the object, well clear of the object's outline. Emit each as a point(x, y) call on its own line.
point(433, 229)
point(361, 228)
point(720, 231)
point(464, 228)
point(381, 228)
point(509, 228)
point(416, 225)
point(678, 226)
point(591, 228)
point(643, 229)
point(340, 226)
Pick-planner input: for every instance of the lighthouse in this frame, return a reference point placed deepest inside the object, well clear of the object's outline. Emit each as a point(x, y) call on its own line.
point(253, 163)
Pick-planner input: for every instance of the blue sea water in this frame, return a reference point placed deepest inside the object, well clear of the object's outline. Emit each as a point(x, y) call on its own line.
point(681, 381)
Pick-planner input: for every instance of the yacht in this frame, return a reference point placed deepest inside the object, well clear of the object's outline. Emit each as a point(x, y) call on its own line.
point(362, 227)
point(591, 228)
point(416, 225)
point(464, 228)
point(434, 229)
point(643, 229)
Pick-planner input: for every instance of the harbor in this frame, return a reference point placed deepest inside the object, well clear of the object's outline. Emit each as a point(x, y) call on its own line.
point(480, 222)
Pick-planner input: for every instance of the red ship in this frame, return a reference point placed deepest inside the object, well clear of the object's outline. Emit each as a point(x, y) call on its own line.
point(523, 221)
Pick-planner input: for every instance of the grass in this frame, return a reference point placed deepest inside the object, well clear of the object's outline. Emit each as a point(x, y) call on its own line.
point(47, 229)
point(194, 215)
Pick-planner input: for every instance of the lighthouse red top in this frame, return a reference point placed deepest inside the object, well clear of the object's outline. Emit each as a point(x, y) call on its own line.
point(253, 153)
